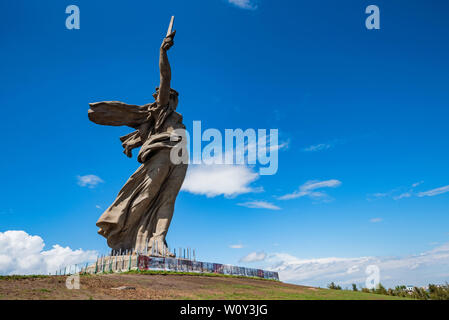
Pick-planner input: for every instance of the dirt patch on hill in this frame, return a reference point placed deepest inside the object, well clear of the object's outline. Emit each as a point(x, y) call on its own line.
point(170, 286)
point(139, 286)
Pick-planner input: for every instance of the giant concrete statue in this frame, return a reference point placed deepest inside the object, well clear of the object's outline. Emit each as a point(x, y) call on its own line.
point(141, 214)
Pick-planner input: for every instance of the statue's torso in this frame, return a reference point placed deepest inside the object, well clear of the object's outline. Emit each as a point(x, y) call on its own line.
point(161, 137)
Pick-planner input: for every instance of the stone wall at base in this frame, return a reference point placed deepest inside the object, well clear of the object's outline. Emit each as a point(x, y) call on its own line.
point(143, 262)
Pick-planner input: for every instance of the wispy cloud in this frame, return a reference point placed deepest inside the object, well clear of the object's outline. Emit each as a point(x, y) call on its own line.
point(262, 147)
point(324, 146)
point(310, 188)
point(317, 147)
point(417, 184)
point(402, 196)
point(378, 195)
point(376, 220)
point(236, 246)
point(259, 205)
point(244, 4)
point(215, 180)
point(90, 181)
point(408, 192)
point(434, 192)
point(254, 257)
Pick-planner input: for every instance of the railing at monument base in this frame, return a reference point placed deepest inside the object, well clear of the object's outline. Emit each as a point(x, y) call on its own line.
point(125, 263)
point(181, 265)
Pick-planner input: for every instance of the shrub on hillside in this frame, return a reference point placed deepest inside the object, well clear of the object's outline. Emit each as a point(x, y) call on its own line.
point(333, 286)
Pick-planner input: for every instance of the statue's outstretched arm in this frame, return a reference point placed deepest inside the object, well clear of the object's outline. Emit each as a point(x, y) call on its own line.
point(165, 70)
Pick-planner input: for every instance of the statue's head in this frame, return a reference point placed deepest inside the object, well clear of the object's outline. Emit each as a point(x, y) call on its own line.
point(173, 100)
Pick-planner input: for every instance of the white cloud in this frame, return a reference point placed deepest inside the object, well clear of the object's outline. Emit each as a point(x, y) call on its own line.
point(353, 269)
point(308, 189)
point(402, 196)
point(318, 147)
point(89, 180)
point(21, 253)
point(254, 257)
point(243, 4)
point(236, 246)
point(259, 205)
point(420, 269)
point(375, 220)
point(434, 192)
point(277, 147)
point(408, 192)
point(397, 193)
point(260, 146)
point(215, 180)
point(417, 184)
point(379, 195)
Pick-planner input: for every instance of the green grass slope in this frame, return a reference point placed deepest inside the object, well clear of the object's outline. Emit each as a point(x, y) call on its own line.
point(164, 285)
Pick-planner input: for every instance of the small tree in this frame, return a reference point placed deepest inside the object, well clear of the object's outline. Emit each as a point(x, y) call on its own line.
point(333, 286)
point(438, 292)
point(354, 287)
point(381, 289)
point(420, 294)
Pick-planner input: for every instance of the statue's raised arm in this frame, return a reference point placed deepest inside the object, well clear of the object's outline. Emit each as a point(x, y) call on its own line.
point(164, 67)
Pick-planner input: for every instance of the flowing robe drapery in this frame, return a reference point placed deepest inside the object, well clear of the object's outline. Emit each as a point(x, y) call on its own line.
point(142, 211)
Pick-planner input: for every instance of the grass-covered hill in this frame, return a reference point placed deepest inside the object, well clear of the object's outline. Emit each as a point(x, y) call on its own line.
point(160, 285)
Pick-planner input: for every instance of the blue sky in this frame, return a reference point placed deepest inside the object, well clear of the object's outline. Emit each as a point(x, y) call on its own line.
point(366, 108)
